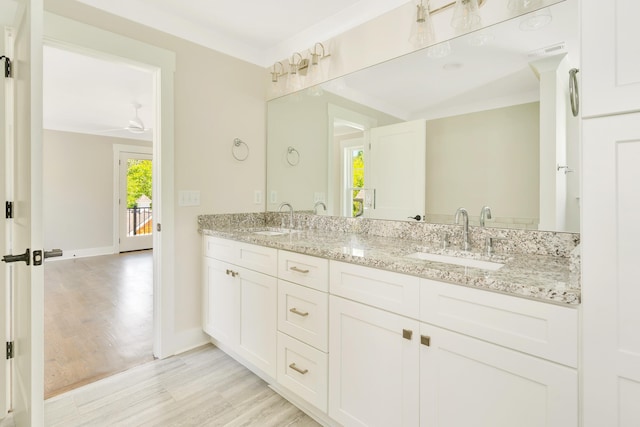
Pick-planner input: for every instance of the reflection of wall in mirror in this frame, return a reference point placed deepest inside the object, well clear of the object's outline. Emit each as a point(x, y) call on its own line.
point(485, 158)
point(301, 121)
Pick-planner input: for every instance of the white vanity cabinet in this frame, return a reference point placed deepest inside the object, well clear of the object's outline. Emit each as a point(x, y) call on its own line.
point(239, 302)
point(464, 357)
point(493, 360)
point(303, 326)
point(373, 347)
point(469, 382)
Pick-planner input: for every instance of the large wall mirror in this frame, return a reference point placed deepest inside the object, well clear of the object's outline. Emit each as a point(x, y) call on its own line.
point(481, 120)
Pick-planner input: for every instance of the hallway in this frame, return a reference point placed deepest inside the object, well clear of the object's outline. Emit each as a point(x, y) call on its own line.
point(98, 318)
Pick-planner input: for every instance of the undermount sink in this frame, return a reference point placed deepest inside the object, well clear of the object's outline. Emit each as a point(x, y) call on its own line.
point(275, 231)
point(464, 262)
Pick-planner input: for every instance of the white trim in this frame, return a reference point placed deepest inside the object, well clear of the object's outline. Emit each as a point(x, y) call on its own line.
point(84, 253)
point(79, 37)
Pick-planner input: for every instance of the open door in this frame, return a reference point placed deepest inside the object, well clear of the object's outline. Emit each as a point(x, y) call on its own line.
point(395, 171)
point(24, 232)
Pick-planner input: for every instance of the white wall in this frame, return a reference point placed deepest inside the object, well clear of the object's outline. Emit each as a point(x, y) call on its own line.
point(217, 98)
point(78, 192)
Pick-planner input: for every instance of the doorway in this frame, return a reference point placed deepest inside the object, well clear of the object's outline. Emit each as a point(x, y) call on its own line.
point(135, 201)
point(99, 302)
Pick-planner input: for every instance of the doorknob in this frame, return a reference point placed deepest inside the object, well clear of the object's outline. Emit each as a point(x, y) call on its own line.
point(26, 257)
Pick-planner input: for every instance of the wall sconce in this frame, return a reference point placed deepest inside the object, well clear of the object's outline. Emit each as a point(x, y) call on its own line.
point(422, 33)
point(277, 73)
point(297, 62)
point(465, 15)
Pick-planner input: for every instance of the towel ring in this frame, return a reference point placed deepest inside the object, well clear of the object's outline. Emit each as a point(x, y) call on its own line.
point(236, 150)
point(293, 156)
point(574, 97)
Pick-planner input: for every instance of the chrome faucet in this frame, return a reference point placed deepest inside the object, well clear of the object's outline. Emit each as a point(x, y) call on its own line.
point(485, 214)
point(465, 227)
point(315, 207)
point(290, 213)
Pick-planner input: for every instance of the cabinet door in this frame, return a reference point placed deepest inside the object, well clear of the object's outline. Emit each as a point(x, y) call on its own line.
point(373, 370)
point(468, 382)
point(221, 298)
point(610, 71)
point(610, 284)
point(257, 322)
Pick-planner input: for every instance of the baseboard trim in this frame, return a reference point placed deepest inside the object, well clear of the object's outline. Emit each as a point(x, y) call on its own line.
point(84, 253)
point(189, 339)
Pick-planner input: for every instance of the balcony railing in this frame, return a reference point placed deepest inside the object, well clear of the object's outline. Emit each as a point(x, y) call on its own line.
point(140, 221)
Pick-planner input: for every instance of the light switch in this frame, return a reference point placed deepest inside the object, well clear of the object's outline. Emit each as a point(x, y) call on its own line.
point(189, 198)
point(273, 196)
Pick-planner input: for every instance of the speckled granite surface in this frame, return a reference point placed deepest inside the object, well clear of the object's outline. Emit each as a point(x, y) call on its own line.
point(538, 265)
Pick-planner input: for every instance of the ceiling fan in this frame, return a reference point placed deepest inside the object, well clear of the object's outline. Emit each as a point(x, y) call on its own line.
point(136, 125)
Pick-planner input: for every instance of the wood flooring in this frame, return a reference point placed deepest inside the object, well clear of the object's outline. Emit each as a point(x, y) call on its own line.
point(98, 318)
point(204, 387)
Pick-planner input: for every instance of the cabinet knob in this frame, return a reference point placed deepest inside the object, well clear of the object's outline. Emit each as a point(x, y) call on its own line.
point(407, 334)
point(425, 340)
point(295, 368)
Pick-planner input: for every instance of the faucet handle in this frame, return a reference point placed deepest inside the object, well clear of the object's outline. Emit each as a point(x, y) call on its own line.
point(489, 241)
point(444, 240)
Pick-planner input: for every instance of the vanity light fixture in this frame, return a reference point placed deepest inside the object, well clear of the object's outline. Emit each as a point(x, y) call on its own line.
point(422, 33)
point(297, 63)
point(277, 72)
point(538, 18)
point(316, 56)
point(466, 16)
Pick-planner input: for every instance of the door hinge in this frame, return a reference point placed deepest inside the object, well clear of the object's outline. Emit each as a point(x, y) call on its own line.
point(9, 350)
point(8, 210)
point(158, 227)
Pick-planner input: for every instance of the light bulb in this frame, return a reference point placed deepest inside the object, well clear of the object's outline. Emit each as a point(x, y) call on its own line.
point(422, 33)
point(465, 16)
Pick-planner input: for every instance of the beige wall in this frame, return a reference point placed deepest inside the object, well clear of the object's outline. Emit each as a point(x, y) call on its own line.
point(302, 121)
point(217, 98)
point(78, 192)
point(485, 158)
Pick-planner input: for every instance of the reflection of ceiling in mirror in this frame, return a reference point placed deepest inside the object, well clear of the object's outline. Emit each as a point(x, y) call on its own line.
point(494, 74)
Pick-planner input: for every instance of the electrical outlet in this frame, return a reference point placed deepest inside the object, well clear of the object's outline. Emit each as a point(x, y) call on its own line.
point(257, 197)
point(273, 196)
point(318, 197)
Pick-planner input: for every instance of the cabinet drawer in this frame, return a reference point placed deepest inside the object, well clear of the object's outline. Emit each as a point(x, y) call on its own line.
point(303, 370)
point(394, 292)
point(302, 313)
point(253, 257)
point(541, 329)
point(304, 269)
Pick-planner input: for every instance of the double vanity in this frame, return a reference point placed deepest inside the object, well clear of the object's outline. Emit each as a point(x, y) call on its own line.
point(376, 324)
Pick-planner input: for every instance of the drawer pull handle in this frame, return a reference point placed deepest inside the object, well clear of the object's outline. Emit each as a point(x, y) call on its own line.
point(299, 313)
point(407, 334)
point(299, 270)
point(295, 368)
point(425, 340)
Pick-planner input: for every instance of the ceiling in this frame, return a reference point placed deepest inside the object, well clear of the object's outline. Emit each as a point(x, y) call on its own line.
point(95, 96)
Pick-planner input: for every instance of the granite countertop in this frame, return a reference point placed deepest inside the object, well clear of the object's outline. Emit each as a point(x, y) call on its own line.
point(540, 277)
